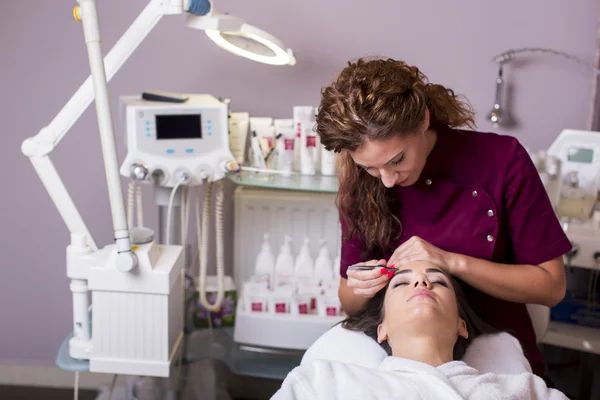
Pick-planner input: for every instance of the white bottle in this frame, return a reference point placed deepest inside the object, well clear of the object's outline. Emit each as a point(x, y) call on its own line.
point(328, 162)
point(305, 268)
point(323, 265)
point(304, 120)
point(264, 268)
point(284, 266)
point(308, 149)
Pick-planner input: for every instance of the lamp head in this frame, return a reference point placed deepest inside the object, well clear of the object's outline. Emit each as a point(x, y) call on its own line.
point(496, 115)
point(234, 35)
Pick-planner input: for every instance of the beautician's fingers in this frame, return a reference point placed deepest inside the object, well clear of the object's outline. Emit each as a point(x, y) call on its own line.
point(413, 249)
point(370, 292)
point(368, 274)
point(417, 249)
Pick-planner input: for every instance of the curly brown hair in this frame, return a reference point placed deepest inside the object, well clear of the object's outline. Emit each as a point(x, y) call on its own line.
point(374, 100)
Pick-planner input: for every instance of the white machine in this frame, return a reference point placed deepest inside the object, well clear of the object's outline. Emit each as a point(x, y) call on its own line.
point(570, 170)
point(181, 143)
point(177, 142)
point(137, 286)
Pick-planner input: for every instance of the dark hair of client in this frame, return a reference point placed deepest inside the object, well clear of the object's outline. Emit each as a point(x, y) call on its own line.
point(371, 317)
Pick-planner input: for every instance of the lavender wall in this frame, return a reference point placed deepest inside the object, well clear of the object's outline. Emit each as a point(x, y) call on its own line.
point(43, 61)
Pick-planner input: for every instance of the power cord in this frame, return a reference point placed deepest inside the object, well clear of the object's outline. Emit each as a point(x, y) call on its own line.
point(134, 203)
point(112, 386)
point(180, 182)
point(202, 230)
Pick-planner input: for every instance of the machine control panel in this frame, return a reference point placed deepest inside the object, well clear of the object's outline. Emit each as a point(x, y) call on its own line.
point(176, 139)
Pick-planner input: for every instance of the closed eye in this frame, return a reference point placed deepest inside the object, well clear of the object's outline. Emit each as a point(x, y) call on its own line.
point(443, 283)
point(398, 161)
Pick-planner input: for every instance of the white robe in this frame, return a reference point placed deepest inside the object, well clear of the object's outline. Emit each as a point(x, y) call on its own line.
point(398, 378)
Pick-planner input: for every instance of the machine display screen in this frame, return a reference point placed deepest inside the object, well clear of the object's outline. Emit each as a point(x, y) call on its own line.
point(179, 126)
point(581, 155)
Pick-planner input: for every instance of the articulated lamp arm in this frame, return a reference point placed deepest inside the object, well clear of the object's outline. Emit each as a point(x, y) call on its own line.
point(37, 148)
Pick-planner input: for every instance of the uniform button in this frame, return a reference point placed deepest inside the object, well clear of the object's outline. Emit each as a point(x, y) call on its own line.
point(490, 238)
point(490, 213)
point(474, 193)
point(428, 182)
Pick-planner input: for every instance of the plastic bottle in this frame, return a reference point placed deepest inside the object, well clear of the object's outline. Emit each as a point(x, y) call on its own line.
point(265, 263)
point(284, 266)
point(304, 269)
point(323, 265)
point(328, 162)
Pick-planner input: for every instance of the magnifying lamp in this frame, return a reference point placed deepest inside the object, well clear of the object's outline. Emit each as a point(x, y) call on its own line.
point(119, 260)
point(234, 35)
point(228, 32)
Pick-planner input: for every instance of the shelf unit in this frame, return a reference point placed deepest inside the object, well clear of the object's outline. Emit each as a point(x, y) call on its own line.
point(574, 337)
point(306, 183)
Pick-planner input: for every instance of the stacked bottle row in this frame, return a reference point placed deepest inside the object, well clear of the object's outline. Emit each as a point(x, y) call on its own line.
point(297, 285)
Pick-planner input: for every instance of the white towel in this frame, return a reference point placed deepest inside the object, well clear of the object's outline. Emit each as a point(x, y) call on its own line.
point(406, 379)
point(473, 385)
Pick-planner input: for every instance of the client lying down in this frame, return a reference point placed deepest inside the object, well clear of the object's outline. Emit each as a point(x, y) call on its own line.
point(424, 323)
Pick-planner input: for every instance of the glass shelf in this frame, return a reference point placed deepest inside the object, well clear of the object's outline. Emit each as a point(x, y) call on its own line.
point(307, 183)
point(220, 345)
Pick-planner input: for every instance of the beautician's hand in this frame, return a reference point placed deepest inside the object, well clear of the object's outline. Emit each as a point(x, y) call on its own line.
point(367, 283)
point(417, 249)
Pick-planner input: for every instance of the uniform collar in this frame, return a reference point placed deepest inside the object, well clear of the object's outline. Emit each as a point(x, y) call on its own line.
point(436, 159)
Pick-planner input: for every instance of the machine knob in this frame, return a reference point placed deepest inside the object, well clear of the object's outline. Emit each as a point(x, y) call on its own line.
point(230, 166)
point(157, 176)
point(138, 172)
point(572, 179)
point(572, 253)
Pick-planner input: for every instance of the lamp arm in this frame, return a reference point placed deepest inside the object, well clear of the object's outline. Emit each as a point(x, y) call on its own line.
point(37, 148)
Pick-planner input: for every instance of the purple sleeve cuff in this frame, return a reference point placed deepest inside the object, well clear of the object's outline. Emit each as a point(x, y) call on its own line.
point(545, 253)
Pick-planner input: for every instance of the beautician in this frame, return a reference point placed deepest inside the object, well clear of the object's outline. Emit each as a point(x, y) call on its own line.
point(413, 186)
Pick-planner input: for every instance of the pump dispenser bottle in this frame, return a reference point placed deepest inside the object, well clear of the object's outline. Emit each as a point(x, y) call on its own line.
point(264, 269)
point(284, 267)
point(304, 269)
point(323, 265)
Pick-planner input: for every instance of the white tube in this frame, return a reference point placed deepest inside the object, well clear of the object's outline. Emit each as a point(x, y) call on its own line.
point(105, 124)
point(126, 259)
point(81, 318)
point(238, 134)
point(307, 150)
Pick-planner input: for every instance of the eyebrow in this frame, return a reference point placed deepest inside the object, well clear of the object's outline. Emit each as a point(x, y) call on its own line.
point(430, 270)
point(391, 160)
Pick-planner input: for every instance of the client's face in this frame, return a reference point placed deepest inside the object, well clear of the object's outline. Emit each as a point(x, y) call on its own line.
point(420, 299)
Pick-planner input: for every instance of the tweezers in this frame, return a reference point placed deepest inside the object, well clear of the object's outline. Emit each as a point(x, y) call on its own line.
point(369, 267)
